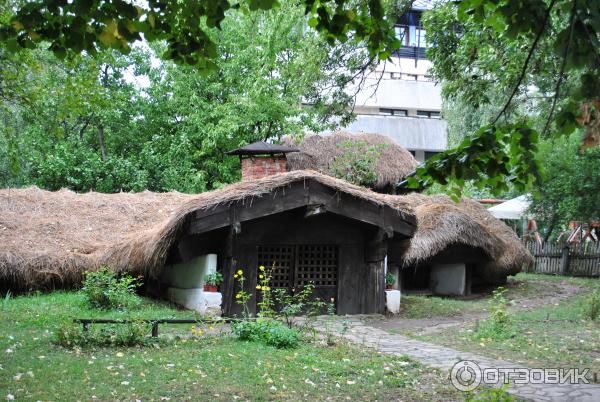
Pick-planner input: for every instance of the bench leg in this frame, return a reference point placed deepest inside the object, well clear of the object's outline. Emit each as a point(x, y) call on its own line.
point(155, 329)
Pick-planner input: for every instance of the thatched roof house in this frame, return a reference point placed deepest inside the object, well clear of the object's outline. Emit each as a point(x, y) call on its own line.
point(48, 239)
point(450, 232)
point(319, 152)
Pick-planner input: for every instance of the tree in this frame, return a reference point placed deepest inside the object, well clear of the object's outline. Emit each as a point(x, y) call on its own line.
point(570, 183)
point(501, 151)
point(91, 128)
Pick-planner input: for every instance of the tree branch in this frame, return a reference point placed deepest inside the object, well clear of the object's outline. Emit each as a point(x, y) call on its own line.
point(561, 75)
point(526, 65)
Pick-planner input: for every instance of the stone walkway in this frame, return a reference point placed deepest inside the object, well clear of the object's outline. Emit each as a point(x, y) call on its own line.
point(355, 331)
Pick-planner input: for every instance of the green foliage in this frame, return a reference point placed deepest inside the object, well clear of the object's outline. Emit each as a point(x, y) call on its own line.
point(187, 27)
point(357, 162)
point(130, 334)
point(569, 183)
point(513, 67)
point(390, 279)
point(591, 306)
point(499, 324)
point(268, 331)
point(117, 122)
point(493, 394)
point(104, 290)
point(215, 279)
point(494, 157)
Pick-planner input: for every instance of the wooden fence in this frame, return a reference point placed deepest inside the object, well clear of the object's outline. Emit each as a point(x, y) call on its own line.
point(559, 259)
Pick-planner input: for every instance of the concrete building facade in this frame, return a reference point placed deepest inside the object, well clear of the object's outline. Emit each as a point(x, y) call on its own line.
point(399, 98)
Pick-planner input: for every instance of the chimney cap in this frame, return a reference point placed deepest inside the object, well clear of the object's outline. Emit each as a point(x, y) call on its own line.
point(262, 148)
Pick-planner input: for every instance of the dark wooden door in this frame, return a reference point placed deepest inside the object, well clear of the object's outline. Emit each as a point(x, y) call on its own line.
point(294, 266)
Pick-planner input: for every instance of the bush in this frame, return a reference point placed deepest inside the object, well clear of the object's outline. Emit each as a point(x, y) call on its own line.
point(104, 290)
point(270, 332)
point(591, 308)
point(498, 325)
point(131, 334)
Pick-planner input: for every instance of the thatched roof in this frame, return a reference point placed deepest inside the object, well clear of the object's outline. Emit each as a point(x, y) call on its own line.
point(318, 151)
point(50, 238)
point(442, 223)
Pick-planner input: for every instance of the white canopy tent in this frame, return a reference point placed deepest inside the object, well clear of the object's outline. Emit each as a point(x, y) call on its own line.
point(515, 209)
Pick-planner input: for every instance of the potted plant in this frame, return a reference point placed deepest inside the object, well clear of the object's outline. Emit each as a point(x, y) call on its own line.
point(211, 281)
point(390, 279)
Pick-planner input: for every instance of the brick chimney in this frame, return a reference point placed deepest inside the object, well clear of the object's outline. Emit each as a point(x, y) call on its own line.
point(261, 159)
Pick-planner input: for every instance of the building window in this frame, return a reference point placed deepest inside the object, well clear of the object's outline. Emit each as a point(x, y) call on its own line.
point(428, 114)
point(393, 112)
point(430, 154)
point(412, 152)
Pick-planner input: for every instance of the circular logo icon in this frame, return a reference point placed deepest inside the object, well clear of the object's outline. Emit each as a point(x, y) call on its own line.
point(465, 375)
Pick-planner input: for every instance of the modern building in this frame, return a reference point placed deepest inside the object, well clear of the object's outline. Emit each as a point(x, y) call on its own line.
point(399, 98)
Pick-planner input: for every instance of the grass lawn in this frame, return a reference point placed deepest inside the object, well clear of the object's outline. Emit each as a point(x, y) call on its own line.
point(32, 367)
point(566, 339)
point(523, 285)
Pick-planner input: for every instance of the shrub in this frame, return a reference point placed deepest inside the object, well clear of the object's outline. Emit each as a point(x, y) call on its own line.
point(498, 325)
point(280, 336)
point(269, 332)
point(131, 334)
point(103, 289)
point(591, 308)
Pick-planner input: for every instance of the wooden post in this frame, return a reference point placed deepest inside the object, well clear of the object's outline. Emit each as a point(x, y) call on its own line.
point(564, 270)
point(85, 326)
point(155, 329)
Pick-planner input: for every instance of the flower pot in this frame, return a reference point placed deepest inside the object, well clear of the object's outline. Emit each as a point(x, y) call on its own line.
point(210, 288)
point(389, 287)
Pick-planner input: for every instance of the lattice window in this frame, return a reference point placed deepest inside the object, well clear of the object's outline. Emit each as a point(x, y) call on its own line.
point(317, 264)
point(280, 258)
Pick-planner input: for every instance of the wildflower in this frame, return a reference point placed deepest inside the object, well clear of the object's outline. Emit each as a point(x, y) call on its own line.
point(261, 276)
point(262, 267)
point(237, 296)
point(240, 272)
point(267, 288)
point(235, 276)
point(258, 287)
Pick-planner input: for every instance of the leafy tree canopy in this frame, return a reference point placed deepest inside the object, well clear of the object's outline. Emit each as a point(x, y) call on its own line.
point(476, 43)
point(88, 25)
point(82, 123)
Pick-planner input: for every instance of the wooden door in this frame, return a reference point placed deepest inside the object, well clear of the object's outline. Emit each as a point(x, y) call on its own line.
point(294, 266)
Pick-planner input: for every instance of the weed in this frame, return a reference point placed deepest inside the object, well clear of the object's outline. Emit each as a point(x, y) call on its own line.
point(104, 290)
point(591, 308)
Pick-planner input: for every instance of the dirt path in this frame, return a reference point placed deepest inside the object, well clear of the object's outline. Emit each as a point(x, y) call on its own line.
point(540, 293)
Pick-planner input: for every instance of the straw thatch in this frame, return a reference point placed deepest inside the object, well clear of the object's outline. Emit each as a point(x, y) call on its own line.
point(318, 151)
point(442, 223)
point(48, 239)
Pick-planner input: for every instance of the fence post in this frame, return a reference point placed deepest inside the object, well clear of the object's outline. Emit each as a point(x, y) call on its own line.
point(564, 269)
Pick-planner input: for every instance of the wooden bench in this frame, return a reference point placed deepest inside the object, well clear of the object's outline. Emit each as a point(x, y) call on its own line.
point(85, 322)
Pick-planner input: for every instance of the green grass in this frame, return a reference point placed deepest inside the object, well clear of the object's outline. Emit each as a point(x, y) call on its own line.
point(32, 367)
point(518, 287)
point(567, 339)
point(432, 306)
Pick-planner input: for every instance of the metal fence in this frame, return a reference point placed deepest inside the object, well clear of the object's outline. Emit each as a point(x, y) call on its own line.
point(570, 259)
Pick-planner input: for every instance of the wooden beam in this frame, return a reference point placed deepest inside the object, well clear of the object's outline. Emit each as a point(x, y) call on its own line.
point(313, 210)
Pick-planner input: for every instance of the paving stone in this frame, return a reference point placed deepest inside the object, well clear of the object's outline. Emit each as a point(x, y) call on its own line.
point(444, 358)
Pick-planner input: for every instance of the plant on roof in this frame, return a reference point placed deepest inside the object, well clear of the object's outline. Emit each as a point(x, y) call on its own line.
point(105, 289)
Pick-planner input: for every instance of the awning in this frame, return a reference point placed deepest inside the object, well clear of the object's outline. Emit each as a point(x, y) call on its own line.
point(512, 209)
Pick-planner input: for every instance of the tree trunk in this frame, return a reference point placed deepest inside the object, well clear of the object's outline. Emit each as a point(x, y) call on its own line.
point(101, 142)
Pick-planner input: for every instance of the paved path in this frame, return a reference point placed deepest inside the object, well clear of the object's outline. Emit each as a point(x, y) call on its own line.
point(354, 330)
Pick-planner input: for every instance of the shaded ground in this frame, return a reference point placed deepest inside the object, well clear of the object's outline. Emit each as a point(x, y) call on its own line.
point(435, 314)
